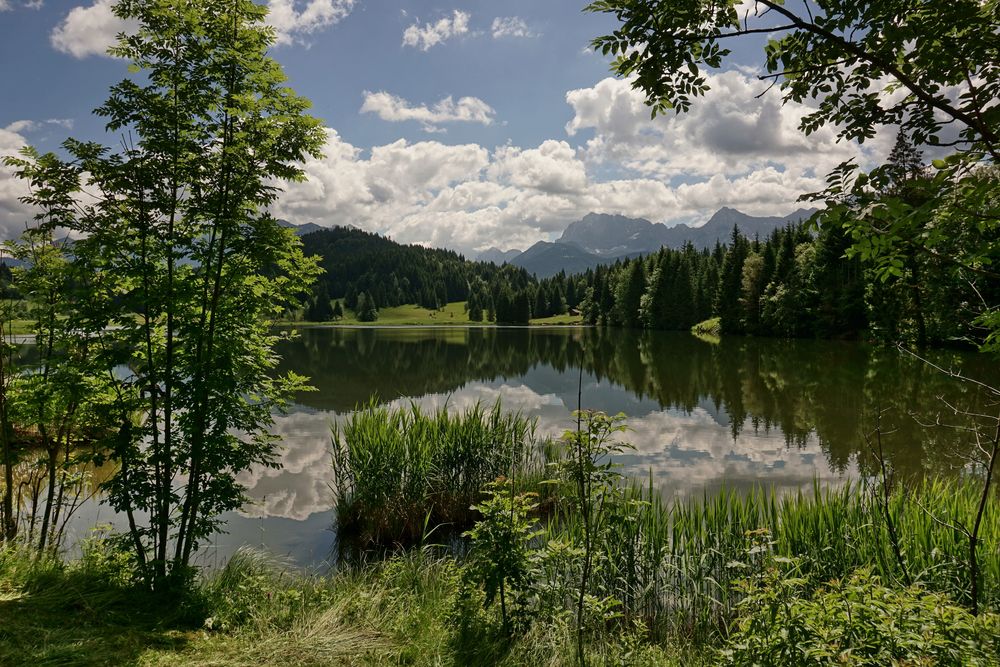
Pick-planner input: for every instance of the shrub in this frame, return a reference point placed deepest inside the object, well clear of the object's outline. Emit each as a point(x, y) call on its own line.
point(856, 621)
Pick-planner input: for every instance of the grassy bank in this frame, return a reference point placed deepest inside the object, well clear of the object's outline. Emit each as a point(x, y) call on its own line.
point(453, 314)
point(459, 565)
point(421, 607)
point(256, 612)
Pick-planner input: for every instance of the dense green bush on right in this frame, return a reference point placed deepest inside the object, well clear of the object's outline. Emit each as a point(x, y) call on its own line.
point(855, 620)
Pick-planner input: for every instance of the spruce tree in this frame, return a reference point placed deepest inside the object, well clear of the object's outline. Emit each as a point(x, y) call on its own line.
point(628, 294)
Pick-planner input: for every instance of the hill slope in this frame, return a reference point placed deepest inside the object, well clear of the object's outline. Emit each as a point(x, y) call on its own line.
point(546, 259)
point(393, 274)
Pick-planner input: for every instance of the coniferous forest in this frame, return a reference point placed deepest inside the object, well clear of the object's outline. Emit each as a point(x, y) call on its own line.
point(803, 281)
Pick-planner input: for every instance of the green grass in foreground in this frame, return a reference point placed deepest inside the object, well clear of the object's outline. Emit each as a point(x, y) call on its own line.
point(254, 612)
point(816, 607)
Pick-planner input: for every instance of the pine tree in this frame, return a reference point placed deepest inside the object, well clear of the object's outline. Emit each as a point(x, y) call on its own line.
point(628, 294)
point(320, 309)
point(730, 282)
point(541, 307)
point(367, 308)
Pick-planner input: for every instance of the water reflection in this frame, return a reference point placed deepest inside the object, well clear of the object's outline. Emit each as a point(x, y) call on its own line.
point(701, 415)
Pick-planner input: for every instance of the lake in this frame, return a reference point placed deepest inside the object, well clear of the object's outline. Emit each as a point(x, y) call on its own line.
point(701, 415)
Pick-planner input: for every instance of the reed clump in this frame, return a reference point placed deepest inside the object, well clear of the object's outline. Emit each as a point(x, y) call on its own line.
point(678, 565)
point(399, 472)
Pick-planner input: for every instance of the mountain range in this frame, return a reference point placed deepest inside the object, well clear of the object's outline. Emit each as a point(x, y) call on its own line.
point(600, 238)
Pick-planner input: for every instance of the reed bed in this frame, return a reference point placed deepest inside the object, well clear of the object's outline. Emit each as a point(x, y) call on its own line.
point(675, 564)
point(399, 472)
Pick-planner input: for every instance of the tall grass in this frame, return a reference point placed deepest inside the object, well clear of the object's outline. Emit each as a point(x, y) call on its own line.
point(675, 565)
point(400, 471)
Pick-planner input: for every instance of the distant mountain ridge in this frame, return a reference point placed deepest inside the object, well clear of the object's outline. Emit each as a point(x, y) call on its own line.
point(616, 235)
point(496, 255)
point(599, 238)
point(302, 230)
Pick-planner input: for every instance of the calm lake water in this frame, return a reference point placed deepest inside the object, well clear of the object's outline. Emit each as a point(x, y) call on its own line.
point(701, 415)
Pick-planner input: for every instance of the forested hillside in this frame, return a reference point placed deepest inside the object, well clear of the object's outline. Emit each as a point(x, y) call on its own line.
point(796, 283)
point(378, 272)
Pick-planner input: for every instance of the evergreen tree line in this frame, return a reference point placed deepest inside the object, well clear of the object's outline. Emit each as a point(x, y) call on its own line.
point(792, 284)
point(797, 283)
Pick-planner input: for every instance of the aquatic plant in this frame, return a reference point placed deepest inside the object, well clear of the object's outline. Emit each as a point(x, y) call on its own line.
point(399, 472)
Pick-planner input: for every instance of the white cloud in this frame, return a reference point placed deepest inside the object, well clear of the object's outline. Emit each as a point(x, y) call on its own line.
point(510, 26)
point(291, 24)
point(729, 131)
point(13, 214)
point(469, 198)
point(396, 109)
point(551, 168)
point(4, 6)
point(91, 30)
point(88, 31)
point(432, 34)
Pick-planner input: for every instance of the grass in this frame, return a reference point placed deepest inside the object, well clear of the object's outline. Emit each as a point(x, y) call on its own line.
point(256, 612)
point(412, 315)
point(564, 319)
point(672, 566)
point(400, 471)
point(677, 564)
point(19, 327)
point(453, 314)
point(675, 578)
point(709, 330)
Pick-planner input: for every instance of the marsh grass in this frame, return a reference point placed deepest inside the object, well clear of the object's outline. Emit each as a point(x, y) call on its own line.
point(676, 564)
point(400, 472)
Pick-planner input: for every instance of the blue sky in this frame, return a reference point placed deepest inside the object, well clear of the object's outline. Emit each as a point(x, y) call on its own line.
point(459, 124)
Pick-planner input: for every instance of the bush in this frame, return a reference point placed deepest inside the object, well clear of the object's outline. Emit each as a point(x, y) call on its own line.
point(855, 621)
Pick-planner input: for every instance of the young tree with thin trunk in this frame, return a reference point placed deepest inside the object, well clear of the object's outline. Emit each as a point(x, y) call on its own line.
point(183, 267)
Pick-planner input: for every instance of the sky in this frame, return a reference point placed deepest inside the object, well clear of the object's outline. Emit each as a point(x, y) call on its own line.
point(453, 124)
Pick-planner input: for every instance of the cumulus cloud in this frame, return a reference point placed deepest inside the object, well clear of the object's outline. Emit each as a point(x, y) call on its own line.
point(91, 30)
point(13, 214)
point(427, 35)
point(510, 26)
point(291, 23)
point(730, 131)
point(469, 198)
point(88, 31)
point(395, 109)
